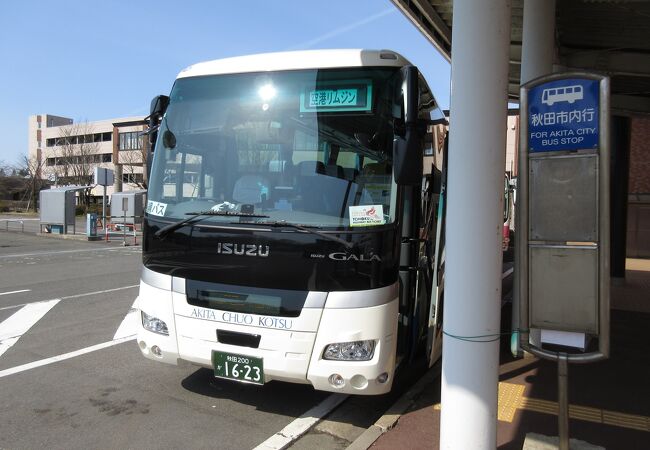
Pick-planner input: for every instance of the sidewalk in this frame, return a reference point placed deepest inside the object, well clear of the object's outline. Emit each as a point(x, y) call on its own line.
point(609, 400)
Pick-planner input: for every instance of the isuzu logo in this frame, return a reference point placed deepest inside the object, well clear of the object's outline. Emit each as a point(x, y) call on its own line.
point(228, 248)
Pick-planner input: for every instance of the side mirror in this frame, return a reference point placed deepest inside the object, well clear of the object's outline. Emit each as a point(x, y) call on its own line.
point(156, 111)
point(407, 150)
point(407, 159)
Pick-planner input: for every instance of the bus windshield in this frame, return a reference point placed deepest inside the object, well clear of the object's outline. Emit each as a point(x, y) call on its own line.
point(311, 147)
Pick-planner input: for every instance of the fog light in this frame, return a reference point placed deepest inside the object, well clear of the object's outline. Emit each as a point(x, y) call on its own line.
point(154, 324)
point(359, 382)
point(382, 378)
point(336, 380)
point(156, 350)
point(350, 351)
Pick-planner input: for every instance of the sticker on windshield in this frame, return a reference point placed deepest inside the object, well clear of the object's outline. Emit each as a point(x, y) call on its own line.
point(364, 215)
point(156, 208)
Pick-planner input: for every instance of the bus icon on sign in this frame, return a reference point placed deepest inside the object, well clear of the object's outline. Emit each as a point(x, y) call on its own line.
point(562, 94)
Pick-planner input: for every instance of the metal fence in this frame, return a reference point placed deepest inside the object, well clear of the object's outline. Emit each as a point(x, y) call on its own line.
point(13, 225)
point(19, 224)
point(108, 230)
point(122, 229)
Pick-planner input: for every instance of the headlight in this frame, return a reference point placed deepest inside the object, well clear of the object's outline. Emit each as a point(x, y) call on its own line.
point(154, 324)
point(350, 351)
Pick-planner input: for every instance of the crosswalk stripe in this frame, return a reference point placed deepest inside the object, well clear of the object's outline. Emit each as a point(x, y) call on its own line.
point(129, 325)
point(12, 328)
point(6, 344)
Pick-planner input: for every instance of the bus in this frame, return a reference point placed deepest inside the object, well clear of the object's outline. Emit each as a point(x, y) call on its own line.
point(289, 232)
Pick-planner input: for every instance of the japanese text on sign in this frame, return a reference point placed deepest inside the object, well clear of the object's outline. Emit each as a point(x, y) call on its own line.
point(338, 97)
point(551, 118)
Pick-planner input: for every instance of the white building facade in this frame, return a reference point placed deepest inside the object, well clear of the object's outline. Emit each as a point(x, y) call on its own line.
point(69, 152)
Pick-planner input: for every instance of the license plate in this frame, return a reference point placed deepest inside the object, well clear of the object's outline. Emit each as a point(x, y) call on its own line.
point(238, 367)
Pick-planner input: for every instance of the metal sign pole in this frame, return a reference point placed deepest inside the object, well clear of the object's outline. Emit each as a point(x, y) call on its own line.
point(125, 208)
point(104, 209)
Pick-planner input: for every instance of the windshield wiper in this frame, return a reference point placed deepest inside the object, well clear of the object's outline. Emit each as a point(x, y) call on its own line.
point(308, 229)
point(164, 231)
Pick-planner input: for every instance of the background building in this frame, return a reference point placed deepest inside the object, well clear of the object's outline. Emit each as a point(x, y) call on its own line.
point(67, 153)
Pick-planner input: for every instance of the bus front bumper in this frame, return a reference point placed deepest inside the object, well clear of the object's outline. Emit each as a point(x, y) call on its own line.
point(294, 356)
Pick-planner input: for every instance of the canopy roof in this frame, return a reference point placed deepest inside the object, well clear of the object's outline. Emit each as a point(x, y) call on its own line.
point(611, 37)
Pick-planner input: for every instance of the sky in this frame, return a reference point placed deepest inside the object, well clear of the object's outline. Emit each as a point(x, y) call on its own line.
point(93, 60)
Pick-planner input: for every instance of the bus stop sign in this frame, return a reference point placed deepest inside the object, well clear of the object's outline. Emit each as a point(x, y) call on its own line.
point(564, 115)
point(563, 237)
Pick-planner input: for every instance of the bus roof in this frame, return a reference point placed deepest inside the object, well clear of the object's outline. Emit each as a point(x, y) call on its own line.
point(296, 60)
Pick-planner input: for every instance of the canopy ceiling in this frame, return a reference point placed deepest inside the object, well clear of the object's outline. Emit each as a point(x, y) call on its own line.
point(611, 37)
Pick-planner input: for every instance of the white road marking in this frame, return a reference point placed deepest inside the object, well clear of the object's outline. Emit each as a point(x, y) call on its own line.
point(100, 292)
point(53, 359)
point(301, 425)
point(74, 296)
point(15, 292)
point(12, 328)
point(129, 325)
point(60, 252)
point(6, 344)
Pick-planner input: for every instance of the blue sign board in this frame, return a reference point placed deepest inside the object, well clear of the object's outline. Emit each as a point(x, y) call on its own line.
point(564, 115)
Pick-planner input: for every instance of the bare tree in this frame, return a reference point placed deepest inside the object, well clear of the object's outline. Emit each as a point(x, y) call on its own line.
point(131, 160)
point(11, 184)
point(77, 155)
point(30, 170)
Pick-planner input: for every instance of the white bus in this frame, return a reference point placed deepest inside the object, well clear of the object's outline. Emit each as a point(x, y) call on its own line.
point(306, 250)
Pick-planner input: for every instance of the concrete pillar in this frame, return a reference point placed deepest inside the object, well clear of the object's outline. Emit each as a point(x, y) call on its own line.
point(470, 361)
point(537, 57)
point(538, 40)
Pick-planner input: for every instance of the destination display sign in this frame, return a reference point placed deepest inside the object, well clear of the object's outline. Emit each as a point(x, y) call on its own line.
point(564, 115)
point(354, 95)
point(333, 97)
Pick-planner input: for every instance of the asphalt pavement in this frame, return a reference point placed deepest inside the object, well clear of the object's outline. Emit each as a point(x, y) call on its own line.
point(68, 381)
point(71, 375)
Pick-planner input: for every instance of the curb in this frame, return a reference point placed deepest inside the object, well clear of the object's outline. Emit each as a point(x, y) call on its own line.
point(386, 422)
point(69, 236)
point(83, 237)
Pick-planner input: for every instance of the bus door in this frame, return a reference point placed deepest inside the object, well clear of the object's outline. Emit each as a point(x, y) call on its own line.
point(434, 331)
